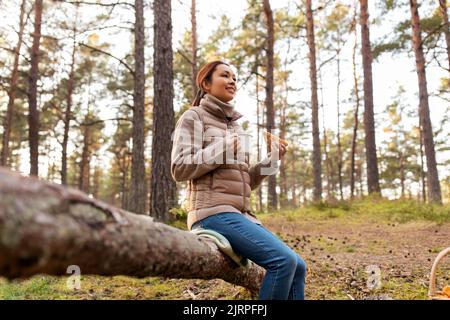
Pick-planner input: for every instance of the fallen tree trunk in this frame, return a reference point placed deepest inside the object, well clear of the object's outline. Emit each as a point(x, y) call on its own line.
point(45, 227)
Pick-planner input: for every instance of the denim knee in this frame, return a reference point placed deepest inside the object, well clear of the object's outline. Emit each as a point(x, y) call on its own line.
point(286, 260)
point(301, 265)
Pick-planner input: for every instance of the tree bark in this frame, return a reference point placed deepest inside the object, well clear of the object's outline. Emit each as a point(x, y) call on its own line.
point(434, 188)
point(317, 158)
point(373, 183)
point(138, 187)
point(443, 8)
point(12, 90)
point(163, 187)
point(46, 228)
point(33, 115)
point(270, 110)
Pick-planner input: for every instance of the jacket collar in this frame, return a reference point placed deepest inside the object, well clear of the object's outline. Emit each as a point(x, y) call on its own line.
point(219, 108)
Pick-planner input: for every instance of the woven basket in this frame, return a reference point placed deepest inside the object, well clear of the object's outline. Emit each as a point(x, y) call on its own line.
point(432, 293)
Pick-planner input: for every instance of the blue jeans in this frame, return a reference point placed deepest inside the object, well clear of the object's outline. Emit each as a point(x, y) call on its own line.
point(285, 270)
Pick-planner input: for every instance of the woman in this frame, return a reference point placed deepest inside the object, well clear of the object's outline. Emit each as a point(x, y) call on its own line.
point(207, 153)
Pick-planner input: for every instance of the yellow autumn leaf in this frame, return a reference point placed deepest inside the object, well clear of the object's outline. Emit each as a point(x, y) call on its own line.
point(446, 291)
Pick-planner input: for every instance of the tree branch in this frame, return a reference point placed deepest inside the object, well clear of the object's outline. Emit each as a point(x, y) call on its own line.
point(97, 3)
point(108, 54)
point(184, 56)
point(92, 123)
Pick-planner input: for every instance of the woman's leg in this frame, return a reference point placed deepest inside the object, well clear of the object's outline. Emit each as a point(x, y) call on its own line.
point(297, 291)
point(262, 247)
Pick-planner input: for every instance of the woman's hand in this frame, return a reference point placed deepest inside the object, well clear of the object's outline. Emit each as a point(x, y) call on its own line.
point(283, 150)
point(278, 151)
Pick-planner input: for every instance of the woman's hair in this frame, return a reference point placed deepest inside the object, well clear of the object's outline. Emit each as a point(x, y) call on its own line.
point(205, 74)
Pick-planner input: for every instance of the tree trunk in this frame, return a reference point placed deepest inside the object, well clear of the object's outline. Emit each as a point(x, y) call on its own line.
point(33, 115)
point(373, 183)
point(97, 181)
point(163, 187)
point(270, 110)
point(360, 178)
point(194, 47)
point(123, 183)
point(12, 90)
point(325, 141)
point(294, 182)
point(138, 187)
point(46, 228)
point(338, 104)
point(356, 113)
point(434, 188)
point(283, 166)
point(259, 123)
point(317, 158)
point(85, 160)
point(258, 131)
point(443, 7)
point(422, 170)
point(68, 114)
point(402, 175)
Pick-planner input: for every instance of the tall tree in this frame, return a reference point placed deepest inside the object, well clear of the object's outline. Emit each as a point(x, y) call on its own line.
point(163, 187)
point(270, 110)
point(317, 158)
point(12, 89)
point(373, 183)
point(33, 115)
point(434, 188)
point(138, 187)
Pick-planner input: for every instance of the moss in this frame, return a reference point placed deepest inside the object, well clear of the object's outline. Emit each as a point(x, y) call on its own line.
point(38, 287)
point(401, 290)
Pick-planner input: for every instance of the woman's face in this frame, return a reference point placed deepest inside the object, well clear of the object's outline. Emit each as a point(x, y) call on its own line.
point(223, 83)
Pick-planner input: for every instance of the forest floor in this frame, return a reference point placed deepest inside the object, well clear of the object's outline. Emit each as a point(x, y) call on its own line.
point(371, 249)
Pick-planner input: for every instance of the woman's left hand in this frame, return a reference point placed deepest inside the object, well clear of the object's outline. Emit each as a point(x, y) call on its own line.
point(283, 150)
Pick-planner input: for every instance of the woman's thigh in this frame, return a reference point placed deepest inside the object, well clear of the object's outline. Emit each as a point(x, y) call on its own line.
point(248, 238)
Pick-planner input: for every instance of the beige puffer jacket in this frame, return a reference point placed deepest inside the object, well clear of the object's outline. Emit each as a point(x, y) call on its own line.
point(201, 154)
